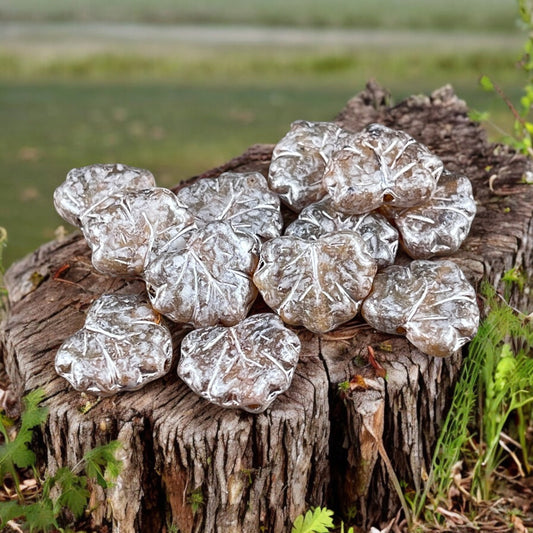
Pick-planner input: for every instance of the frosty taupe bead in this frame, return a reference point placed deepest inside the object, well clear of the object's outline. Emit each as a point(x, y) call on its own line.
point(381, 166)
point(320, 218)
point(208, 282)
point(430, 302)
point(86, 186)
point(243, 199)
point(127, 230)
point(441, 224)
point(244, 366)
point(316, 284)
point(122, 346)
point(299, 160)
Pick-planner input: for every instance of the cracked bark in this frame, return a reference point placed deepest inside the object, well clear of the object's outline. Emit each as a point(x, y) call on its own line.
point(253, 473)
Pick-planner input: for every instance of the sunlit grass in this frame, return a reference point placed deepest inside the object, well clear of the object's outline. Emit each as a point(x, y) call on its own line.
point(288, 66)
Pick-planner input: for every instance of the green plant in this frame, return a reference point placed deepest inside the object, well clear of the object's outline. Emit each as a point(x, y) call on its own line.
point(66, 492)
point(350, 530)
point(497, 377)
point(316, 520)
point(196, 499)
point(344, 387)
point(505, 388)
point(514, 276)
point(14, 452)
point(522, 138)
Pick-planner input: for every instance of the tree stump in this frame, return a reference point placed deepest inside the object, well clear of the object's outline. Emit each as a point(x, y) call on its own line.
point(249, 473)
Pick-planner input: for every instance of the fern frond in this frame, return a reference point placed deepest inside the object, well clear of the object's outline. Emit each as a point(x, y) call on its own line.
point(10, 510)
point(318, 520)
point(40, 516)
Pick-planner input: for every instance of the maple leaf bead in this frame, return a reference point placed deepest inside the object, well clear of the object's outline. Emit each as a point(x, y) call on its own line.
point(208, 282)
point(242, 199)
point(245, 366)
point(316, 284)
point(439, 225)
point(321, 217)
point(123, 345)
point(299, 160)
point(430, 302)
point(86, 186)
point(125, 231)
point(381, 166)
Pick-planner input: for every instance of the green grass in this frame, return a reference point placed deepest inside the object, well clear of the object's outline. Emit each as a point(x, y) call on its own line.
point(484, 15)
point(271, 65)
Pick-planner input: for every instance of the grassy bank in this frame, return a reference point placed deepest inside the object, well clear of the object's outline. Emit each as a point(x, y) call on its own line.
point(272, 66)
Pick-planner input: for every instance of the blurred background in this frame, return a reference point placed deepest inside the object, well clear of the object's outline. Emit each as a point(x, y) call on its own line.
point(179, 87)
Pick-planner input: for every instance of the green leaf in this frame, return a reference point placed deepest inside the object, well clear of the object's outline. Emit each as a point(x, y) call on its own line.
point(75, 498)
point(40, 516)
point(525, 102)
point(486, 83)
point(74, 493)
point(314, 521)
point(34, 398)
point(10, 510)
point(48, 484)
point(14, 453)
point(33, 415)
point(478, 116)
point(196, 499)
point(23, 457)
point(504, 369)
point(6, 421)
point(529, 127)
point(101, 463)
point(525, 11)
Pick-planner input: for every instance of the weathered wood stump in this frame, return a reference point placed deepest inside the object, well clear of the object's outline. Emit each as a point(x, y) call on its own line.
point(253, 473)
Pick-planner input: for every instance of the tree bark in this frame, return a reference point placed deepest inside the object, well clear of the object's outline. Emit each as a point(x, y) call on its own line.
point(250, 473)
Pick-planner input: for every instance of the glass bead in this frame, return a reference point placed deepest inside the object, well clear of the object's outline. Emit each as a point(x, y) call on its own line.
point(381, 166)
point(86, 186)
point(430, 302)
point(245, 366)
point(123, 345)
point(316, 284)
point(208, 282)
